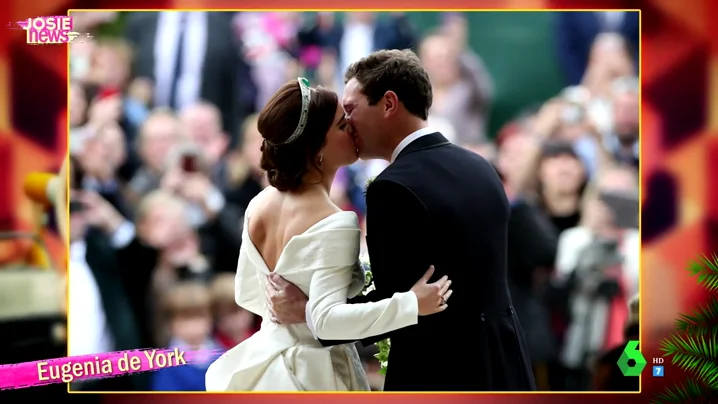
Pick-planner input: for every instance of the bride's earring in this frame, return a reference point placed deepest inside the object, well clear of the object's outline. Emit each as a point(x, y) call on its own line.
point(321, 157)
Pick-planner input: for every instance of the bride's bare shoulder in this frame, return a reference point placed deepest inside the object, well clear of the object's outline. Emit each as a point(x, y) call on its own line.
point(294, 214)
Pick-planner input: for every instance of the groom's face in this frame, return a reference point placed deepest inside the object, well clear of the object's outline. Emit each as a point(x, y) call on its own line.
point(366, 120)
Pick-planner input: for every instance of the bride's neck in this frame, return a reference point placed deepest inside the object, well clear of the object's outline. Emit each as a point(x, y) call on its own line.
point(320, 180)
point(328, 180)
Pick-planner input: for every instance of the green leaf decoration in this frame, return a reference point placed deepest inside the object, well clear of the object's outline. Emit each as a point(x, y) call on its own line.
point(383, 355)
point(694, 354)
point(368, 279)
point(703, 320)
point(686, 392)
point(707, 271)
point(693, 347)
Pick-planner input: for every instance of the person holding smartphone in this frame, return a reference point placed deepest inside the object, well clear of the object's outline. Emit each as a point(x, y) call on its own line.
point(208, 210)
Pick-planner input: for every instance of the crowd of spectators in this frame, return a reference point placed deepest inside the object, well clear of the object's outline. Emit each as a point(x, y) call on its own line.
point(165, 157)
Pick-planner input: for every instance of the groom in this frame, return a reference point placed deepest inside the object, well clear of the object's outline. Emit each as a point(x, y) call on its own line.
point(436, 204)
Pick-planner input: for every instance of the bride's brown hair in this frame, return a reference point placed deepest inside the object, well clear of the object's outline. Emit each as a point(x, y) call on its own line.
point(287, 163)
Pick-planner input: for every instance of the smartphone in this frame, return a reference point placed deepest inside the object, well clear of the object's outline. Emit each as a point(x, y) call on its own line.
point(625, 208)
point(76, 174)
point(76, 206)
point(189, 163)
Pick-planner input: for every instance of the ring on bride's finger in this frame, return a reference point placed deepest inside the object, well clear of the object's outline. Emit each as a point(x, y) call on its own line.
point(443, 301)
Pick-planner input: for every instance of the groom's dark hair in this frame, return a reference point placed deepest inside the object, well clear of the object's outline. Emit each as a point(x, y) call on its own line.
point(394, 70)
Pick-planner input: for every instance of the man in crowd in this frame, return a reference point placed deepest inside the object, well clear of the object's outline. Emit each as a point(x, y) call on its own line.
point(190, 56)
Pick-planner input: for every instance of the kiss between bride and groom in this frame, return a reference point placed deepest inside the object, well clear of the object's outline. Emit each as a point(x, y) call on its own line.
point(436, 206)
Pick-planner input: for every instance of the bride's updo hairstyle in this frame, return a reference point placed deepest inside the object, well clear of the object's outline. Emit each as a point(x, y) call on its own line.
point(294, 124)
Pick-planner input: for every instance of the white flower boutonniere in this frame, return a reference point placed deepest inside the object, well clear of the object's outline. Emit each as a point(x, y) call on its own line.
point(367, 183)
point(368, 278)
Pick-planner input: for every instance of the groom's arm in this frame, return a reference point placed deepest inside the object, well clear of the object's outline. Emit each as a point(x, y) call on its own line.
point(398, 243)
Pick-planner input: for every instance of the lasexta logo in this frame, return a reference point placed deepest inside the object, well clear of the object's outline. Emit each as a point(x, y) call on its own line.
point(631, 361)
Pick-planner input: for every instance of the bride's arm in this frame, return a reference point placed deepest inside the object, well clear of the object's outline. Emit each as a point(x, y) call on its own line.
point(397, 225)
point(331, 318)
point(247, 291)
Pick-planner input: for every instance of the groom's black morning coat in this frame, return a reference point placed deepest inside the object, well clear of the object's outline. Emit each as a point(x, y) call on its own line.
point(439, 204)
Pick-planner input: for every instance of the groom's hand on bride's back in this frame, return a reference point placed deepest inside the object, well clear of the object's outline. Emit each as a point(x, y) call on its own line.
point(432, 297)
point(286, 302)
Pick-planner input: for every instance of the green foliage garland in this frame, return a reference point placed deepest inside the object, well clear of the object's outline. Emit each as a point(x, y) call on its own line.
point(693, 347)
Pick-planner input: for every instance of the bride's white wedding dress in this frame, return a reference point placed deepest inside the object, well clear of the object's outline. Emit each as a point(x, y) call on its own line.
point(323, 263)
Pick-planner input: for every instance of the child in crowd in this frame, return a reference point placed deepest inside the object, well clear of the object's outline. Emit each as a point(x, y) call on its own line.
point(233, 323)
point(188, 309)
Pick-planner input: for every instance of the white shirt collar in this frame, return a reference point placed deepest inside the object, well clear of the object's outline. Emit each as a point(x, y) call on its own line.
point(409, 139)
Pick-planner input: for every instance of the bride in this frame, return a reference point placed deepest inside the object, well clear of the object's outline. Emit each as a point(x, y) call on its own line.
point(292, 228)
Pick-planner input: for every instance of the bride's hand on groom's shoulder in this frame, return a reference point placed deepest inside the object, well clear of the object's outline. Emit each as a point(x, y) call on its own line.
point(432, 297)
point(286, 302)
